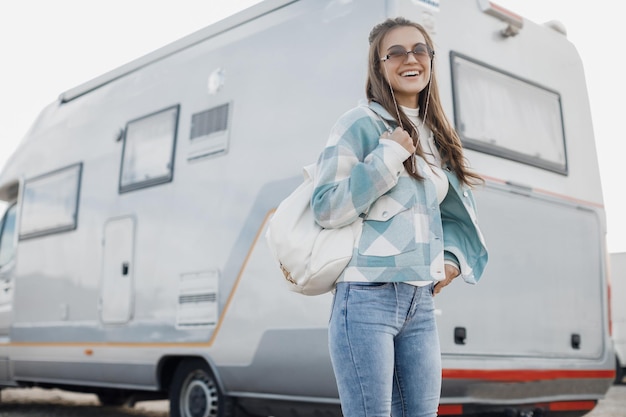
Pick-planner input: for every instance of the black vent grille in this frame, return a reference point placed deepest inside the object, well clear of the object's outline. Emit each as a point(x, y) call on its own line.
point(197, 298)
point(209, 121)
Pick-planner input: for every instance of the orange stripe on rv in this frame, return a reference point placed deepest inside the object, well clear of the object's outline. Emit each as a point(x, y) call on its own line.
point(239, 275)
point(166, 344)
point(526, 375)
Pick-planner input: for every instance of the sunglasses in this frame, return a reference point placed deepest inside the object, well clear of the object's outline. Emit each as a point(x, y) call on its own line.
point(397, 53)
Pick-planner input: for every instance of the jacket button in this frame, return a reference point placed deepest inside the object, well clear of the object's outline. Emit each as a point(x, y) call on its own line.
point(385, 214)
point(465, 194)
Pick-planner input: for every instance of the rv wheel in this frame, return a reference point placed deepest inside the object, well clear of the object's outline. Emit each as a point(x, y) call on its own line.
point(194, 392)
point(619, 372)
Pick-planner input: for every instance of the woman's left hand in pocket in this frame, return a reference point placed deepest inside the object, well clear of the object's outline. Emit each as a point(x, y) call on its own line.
point(451, 273)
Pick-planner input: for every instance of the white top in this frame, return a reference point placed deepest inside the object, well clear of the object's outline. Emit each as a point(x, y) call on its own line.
point(433, 157)
point(431, 154)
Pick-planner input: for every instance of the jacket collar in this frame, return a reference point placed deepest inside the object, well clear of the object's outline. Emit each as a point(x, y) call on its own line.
point(380, 110)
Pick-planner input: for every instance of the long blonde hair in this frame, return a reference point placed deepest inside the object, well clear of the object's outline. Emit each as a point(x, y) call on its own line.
point(430, 110)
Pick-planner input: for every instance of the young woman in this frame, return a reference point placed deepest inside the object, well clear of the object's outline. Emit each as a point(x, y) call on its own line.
point(410, 184)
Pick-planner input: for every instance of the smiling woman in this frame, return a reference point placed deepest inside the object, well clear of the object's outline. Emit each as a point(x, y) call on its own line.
point(382, 327)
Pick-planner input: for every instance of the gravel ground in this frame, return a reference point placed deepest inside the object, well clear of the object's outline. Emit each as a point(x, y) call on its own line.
point(36, 402)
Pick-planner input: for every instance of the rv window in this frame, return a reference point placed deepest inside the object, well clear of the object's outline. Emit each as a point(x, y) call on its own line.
point(503, 115)
point(50, 202)
point(209, 132)
point(7, 234)
point(148, 154)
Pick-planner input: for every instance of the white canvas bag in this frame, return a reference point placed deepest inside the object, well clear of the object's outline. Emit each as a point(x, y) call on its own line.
point(310, 257)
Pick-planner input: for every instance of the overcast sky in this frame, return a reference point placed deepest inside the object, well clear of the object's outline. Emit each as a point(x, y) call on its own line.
point(48, 47)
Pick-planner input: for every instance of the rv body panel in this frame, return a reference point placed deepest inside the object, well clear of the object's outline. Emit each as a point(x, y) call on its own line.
point(163, 256)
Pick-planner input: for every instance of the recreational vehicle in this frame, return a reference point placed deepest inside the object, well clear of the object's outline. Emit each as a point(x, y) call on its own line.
point(132, 257)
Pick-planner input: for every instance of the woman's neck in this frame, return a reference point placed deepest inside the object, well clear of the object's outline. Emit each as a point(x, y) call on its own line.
point(409, 101)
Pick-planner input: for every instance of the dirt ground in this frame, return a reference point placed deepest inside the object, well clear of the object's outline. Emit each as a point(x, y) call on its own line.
point(36, 402)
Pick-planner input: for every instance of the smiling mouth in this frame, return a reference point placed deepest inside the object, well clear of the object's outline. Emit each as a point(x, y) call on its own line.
point(410, 74)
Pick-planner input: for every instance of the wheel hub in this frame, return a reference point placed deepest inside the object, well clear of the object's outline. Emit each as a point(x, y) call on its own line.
point(200, 399)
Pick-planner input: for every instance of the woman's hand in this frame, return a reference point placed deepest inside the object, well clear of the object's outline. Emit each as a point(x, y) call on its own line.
point(402, 137)
point(451, 273)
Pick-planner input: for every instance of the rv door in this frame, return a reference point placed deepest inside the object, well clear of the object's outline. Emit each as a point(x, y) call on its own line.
point(116, 287)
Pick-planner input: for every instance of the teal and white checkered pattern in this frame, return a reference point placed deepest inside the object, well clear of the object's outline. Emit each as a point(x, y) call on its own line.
point(405, 230)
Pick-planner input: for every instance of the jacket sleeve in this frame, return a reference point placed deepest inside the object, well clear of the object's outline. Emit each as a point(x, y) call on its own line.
point(462, 238)
point(354, 170)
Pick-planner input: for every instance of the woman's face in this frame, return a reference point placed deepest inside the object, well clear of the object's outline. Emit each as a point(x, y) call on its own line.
point(408, 74)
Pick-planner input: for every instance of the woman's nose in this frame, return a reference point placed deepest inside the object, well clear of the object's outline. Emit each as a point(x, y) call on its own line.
point(410, 57)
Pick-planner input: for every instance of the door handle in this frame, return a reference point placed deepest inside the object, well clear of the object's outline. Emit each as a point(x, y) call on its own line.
point(125, 268)
point(460, 334)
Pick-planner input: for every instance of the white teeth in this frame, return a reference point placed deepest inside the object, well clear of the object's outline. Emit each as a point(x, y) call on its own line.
point(409, 73)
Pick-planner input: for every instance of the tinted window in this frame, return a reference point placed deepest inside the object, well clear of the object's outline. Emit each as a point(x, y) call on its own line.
point(500, 114)
point(148, 155)
point(50, 202)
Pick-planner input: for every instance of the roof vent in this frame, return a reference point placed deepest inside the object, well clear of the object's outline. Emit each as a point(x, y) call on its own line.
point(557, 26)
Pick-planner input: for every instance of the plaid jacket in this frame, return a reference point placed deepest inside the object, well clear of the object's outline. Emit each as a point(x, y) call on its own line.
point(405, 230)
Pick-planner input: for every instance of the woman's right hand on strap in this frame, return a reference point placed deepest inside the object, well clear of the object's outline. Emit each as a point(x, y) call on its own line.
point(402, 137)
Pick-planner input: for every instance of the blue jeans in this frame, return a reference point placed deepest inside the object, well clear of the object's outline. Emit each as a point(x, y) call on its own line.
point(384, 348)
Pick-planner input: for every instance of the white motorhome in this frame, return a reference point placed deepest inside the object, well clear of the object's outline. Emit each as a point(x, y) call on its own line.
point(131, 250)
point(618, 310)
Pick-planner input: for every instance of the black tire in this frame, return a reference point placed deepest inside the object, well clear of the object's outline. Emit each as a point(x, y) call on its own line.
point(194, 392)
point(619, 372)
